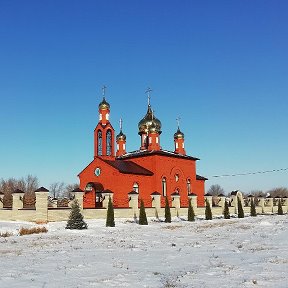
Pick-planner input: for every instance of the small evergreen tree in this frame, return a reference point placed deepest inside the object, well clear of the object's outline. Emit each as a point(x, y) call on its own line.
point(226, 212)
point(75, 220)
point(253, 212)
point(110, 215)
point(191, 214)
point(208, 212)
point(240, 208)
point(280, 210)
point(167, 211)
point(142, 214)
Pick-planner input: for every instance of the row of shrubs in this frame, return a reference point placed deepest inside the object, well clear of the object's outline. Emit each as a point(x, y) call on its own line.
point(76, 220)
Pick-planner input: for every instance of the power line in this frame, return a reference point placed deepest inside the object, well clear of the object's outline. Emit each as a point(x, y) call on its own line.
point(250, 173)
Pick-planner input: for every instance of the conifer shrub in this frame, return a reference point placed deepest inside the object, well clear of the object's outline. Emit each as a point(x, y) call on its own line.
point(208, 212)
point(167, 211)
point(142, 214)
point(75, 220)
point(226, 212)
point(253, 209)
point(110, 222)
point(280, 209)
point(240, 208)
point(191, 214)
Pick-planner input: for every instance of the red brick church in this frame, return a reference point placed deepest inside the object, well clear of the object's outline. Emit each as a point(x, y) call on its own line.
point(148, 170)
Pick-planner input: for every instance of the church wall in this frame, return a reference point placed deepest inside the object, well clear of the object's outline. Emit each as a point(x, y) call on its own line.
point(168, 167)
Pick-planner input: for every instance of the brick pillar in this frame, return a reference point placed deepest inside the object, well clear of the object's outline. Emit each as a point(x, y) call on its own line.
point(1, 199)
point(222, 200)
point(133, 202)
point(156, 201)
point(261, 202)
point(209, 199)
point(106, 194)
point(17, 199)
point(176, 200)
point(41, 204)
point(78, 195)
point(193, 198)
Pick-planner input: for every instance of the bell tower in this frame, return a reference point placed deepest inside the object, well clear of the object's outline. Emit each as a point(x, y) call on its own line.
point(121, 142)
point(104, 132)
point(179, 140)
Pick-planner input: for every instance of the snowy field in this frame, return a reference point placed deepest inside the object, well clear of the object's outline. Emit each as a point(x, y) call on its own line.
point(249, 252)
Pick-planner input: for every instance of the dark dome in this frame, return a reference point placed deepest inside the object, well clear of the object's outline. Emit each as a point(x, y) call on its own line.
point(147, 121)
point(104, 104)
point(121, 136)
point(178, 134)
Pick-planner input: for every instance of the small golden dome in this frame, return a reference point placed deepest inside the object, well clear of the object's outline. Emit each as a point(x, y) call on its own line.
point(121, 136)
point(104, 105)
point(147, 121)
point(178, 134)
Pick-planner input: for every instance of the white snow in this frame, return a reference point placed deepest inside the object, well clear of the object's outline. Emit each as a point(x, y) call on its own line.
point(249, 252)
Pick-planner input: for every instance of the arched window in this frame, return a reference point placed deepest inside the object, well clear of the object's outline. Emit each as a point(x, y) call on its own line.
point(99, 140)
point(188, 186)
point(109, 143)
point(164, 187)
point(136, 187)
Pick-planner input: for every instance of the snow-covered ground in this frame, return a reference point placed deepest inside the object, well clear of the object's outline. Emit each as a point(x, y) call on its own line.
point(249, 252)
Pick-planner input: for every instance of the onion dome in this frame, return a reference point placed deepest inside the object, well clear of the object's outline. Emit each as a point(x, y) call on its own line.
point(178, 134)
point(121, 136)
point(147, 121)
point(103, 105)
point(153, 127)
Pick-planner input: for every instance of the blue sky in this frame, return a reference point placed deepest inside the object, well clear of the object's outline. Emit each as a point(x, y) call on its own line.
point(222, 66)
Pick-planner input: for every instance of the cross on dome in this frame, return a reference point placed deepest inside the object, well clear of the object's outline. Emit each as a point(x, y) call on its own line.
point(104, 90)
point(120, 123)
point(178, 121)
point(148, 91)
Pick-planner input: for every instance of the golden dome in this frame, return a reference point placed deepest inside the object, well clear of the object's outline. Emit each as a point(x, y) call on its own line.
point(103, 105)
point(178, 134)
point(121, 136)
point(147, 121)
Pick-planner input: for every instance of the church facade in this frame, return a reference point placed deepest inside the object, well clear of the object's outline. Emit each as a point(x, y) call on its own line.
point(147, 171)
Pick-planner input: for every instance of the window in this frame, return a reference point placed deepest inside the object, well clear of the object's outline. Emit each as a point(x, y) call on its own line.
point(136, 187)
point(109, 143)
point(164, 187)
point(99, 140)
point(188, 186)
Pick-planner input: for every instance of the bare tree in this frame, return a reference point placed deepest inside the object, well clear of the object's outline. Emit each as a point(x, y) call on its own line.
point(57, 189)
point(215, 190)
point(278, 192)
point(28, 185)
point(69, 188)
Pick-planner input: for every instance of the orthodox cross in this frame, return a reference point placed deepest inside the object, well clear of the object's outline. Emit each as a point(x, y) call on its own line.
point(178, 121)
point(120, 122)
point(148, 91)
point(104, 90)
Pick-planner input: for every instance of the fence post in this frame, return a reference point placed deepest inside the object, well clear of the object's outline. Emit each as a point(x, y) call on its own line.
point(41, 205)
point(133, 202)
point(78, 195)
point(208, 197)
point(1, 199)
point(222, 200)
point(176, 201)
point(260, 203)
point(17, 202)
point(193, 198)
point(156, 201)
point(107, 194)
